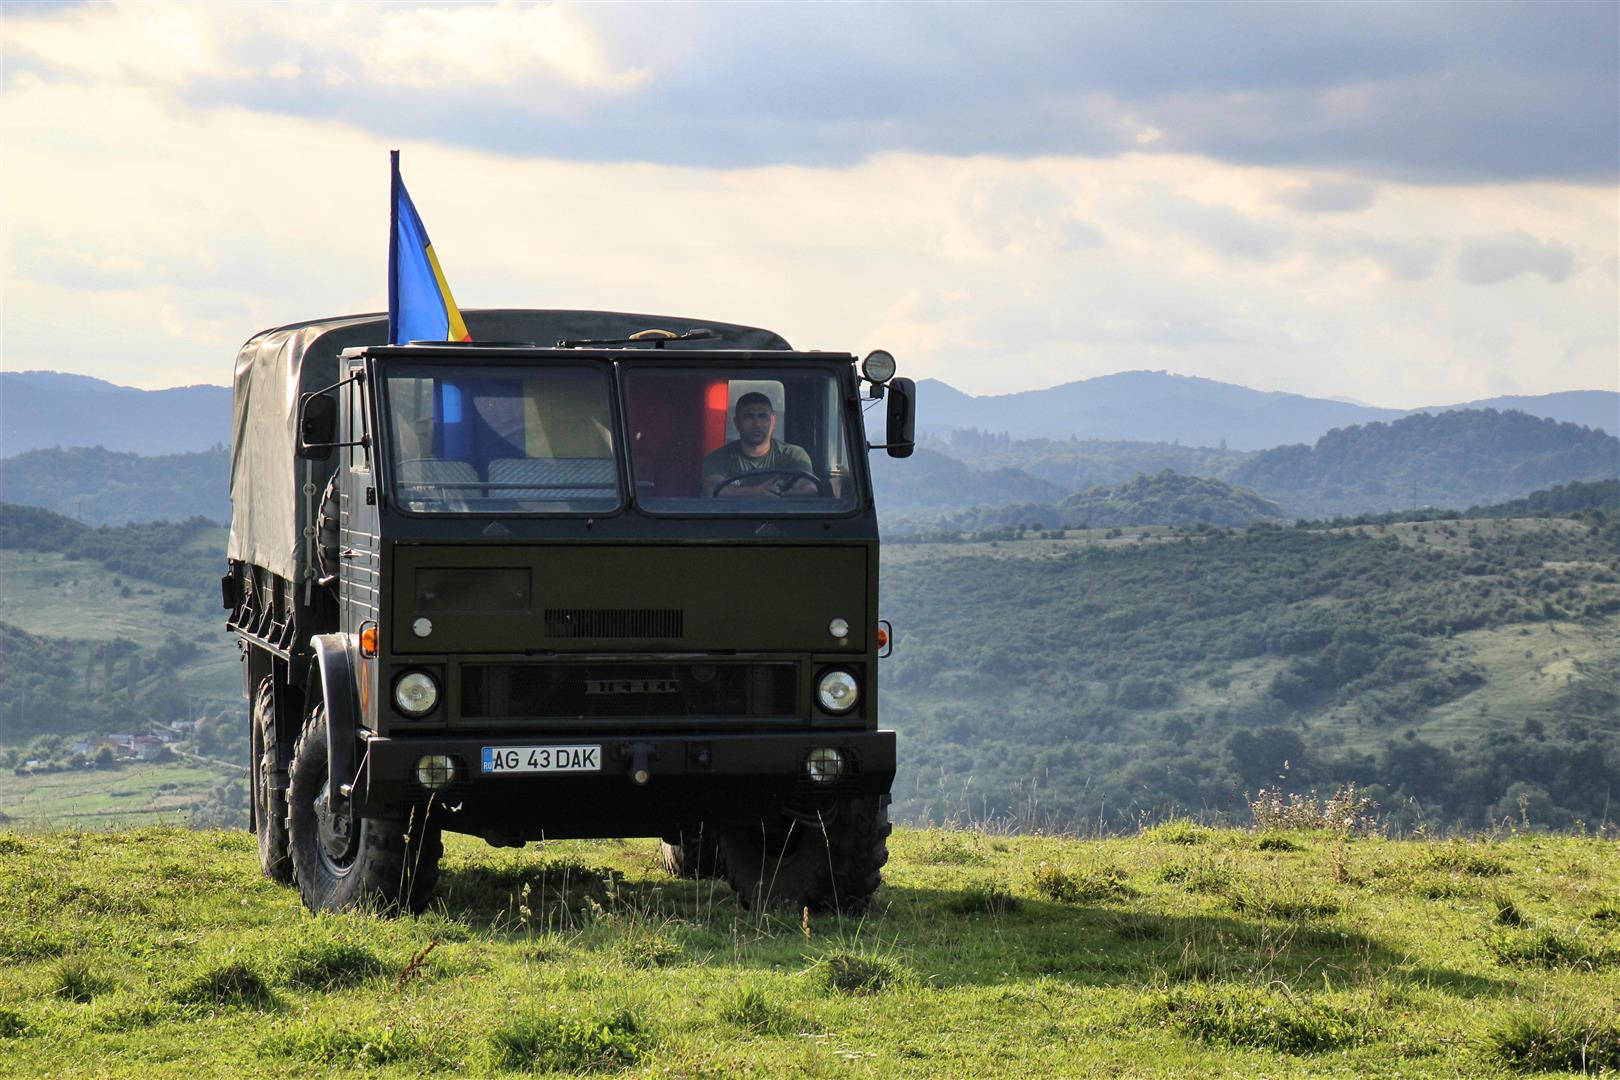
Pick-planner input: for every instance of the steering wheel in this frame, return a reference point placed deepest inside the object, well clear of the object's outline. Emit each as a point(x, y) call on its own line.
point(823, 488)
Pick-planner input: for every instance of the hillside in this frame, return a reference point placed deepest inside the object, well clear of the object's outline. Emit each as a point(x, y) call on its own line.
point(1452, 459)
point(930, 482)
point(46, 408)
point(1183, 951)
point(1168, 499)
point(109, 628)
point(1466, 664)
point(104, 487)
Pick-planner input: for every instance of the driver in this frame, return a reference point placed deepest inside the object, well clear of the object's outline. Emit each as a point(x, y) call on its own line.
point(755, 451)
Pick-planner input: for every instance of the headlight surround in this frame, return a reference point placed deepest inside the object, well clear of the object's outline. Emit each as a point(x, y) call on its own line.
point(838, 691)
point(416, 694)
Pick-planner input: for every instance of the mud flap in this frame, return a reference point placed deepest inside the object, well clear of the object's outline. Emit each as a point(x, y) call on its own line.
point(334, 659)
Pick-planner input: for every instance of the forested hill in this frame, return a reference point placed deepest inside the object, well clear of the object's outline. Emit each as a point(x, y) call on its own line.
point(1456, 666)
point(1451, 459)
point(107, 487)
point(1168, 499)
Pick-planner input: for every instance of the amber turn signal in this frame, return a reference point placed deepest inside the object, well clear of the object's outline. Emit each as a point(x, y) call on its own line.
point(368, 640)
point(883, 638)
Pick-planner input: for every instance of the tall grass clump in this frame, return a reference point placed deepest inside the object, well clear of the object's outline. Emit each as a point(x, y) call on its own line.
point(573, 1043)
point(76, 981)
point(1253, 1017)
point(855, 972)
point(1555, 1040)
point(233, 985)
point(331, 966)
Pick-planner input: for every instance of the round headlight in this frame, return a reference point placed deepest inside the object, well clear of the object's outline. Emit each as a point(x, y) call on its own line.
point(839, 628)
point(435, 771)
point(838, 691)
point(416, 693)
point(824, 765)
point(878, 366)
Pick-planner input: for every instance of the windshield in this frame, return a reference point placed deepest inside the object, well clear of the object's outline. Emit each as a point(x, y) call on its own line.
point(501, 440)
point(737, 440)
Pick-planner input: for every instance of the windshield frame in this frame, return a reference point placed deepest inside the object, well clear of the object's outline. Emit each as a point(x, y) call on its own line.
point(839, 368)
point(385, 438)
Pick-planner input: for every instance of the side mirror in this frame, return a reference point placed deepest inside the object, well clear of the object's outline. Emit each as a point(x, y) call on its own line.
point(901, 433)
point(317, 426)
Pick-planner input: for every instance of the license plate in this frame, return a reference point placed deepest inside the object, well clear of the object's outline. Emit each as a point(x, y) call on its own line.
point(542, 759)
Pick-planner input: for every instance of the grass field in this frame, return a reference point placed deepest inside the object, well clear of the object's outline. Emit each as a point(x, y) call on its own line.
point(1181, 951)
point(128, 796)
point(81, 600)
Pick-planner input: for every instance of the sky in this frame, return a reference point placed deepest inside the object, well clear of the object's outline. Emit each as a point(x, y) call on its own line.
point(1402, 204)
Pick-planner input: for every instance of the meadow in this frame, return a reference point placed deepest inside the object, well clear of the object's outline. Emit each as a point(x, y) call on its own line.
point(1181, 950)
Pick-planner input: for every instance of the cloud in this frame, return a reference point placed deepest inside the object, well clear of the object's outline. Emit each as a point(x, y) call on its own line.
point(1490, 260)
point(1325, 196)
point(1432, 93)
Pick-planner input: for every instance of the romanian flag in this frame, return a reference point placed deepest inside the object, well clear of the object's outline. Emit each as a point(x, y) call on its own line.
point(420, 307)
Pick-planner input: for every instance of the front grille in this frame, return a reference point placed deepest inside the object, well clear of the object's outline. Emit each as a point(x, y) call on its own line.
point(585, 691)
point(614, 622)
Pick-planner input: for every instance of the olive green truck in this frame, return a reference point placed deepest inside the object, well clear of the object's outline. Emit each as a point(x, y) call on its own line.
point(596, 574)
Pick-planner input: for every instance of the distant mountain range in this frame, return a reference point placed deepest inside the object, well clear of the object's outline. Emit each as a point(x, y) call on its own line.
point(45, 408)
point(1153, 406)
point(41, 409)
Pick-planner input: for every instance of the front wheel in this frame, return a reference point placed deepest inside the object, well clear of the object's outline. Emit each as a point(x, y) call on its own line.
point(830, 862)
point(342, 862)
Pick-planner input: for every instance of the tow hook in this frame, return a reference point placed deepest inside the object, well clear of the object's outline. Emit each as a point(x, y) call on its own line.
point(639, 754)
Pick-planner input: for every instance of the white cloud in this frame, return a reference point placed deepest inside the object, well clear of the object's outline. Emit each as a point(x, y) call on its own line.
point(146, 233)
point(1489, 260)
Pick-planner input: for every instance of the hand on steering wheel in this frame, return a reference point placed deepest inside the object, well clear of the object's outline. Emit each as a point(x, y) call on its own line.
point(823, 488)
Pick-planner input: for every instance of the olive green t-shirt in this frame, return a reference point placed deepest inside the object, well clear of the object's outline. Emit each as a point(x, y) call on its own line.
point(729, 460)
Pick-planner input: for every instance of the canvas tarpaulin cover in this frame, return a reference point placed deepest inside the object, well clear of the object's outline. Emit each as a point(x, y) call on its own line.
point(274, 492)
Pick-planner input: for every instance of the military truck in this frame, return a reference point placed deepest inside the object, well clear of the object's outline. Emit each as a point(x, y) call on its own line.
point(595, 574)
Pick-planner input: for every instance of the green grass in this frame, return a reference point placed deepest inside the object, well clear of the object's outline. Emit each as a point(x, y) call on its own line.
point(162, 952)
point(130, 795)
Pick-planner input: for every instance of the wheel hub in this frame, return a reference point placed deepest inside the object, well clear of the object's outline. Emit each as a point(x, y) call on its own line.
point(334, 828)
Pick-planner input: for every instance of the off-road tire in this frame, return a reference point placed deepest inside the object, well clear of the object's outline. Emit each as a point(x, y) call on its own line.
point(390, 865)
point(694, 856)
point(269, 804)
point(835, 865)
point(326, 529)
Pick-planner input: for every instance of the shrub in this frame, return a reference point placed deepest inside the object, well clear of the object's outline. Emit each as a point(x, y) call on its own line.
point(573, 1043)
point(1275, 842)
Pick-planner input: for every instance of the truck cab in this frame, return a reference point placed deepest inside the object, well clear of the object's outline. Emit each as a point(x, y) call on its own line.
point(620, 584)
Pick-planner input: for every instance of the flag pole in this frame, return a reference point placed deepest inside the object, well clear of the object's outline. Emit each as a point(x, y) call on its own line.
point(393, 247)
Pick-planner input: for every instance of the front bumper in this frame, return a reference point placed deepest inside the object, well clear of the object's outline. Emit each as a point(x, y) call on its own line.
point(709, 778)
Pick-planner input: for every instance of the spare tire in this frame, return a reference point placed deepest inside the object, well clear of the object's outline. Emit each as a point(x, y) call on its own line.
point(326, 529)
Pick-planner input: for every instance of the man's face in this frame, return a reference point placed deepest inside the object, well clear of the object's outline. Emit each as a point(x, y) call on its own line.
point(755, 423)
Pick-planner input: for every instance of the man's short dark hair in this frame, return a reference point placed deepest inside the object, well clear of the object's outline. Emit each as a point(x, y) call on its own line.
point(754, 397)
